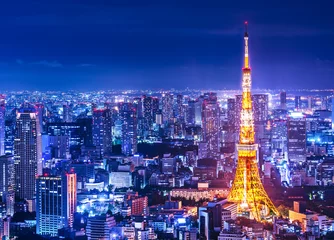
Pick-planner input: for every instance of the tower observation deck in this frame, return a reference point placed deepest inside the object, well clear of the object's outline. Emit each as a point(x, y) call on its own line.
point(247, 189)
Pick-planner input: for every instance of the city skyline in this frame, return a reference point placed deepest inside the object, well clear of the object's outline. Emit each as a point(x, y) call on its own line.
point(90, 46)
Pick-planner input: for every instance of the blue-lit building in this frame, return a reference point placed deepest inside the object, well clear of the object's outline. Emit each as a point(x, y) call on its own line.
point(56, 200)
point(27, 152)
point(129, 129)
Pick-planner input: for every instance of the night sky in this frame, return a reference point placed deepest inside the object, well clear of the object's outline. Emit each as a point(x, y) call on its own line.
point(96, 45)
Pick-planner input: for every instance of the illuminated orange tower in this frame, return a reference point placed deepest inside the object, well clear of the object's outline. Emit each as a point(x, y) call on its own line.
point(247, 189)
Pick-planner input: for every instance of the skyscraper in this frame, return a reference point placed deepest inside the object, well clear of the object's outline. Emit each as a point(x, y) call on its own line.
point(56, 203)
point(283, 100)
point(107, 131)
point(296, 127)
point(98, 130)
point(67, 113)
point(155, 108)
point(27, 152)
point(191, 113)
point(247, 189)
point(2, 124)
point(260, 107)
point(129, 129)
point(6, 174)
point(40, 112)
point(148, 112)
point(167, 107)
point(298, 102)
point(102, 130)
point(210, 118)
point(179, 107)
point(231, 114)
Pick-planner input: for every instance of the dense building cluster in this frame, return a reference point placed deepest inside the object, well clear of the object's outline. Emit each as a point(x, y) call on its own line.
point(159, 165)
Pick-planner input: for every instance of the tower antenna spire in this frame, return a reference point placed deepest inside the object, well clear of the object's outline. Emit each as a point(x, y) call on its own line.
point(246, 28)
point(247, 189)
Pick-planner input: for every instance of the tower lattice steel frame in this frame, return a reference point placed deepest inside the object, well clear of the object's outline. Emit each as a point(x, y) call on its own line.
point(247, 189)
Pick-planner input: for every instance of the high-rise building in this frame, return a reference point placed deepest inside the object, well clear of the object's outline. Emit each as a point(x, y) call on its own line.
point(283, 100)
point(102, 130)
point(2, 124)
point(191, 113)
point(27, 152)
point(40, 113)
point(167, 107)
point(247, 189)
point(6, 174)
point(148, 112)
point(210, 122)
point(296, 127)
point(98, 130)
point(179, 107)
point(98, 227)
point(55, 203)
point(198, 111)
point(155, 108)
point(129, 129)
point(107, 131)
point(231, 114)
point(138, 105)
point(298, 102)
point(67, 113)
point(9, 135)
point(260, 107)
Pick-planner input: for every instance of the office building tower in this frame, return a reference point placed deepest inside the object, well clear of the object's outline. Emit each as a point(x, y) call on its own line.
point(179, 108)
point(79, 132)
point(210, 122)
point(191, 112)
point(58, 146)
point(2, 124)
point(107, 131)
point(10, 201)
point(27, 152)
point(129, 129)
point(138, 105)
point(298, 102)
point(155, 108)
point(198, 111)
point(67, 113)
point(283, 100)
point(98, 227)
point(9, 135)
point(102, 131)
point(98, 130)
point(279, 135)
point(296, 127)
point(260, 108)
point(167, 107)
point(6, 174)
point(148, 112)
point(231, 114)
point(40, 113)
point(55, 203)
point(210, 220)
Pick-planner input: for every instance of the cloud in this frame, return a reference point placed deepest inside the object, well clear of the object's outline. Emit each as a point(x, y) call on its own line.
point(54, 64)
point(19, 61)
point(86, 65)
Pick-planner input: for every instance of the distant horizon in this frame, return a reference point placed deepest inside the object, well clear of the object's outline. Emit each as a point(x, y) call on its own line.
point(175, 89)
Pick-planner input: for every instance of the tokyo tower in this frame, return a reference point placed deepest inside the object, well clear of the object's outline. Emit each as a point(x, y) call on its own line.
point(247, 189)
